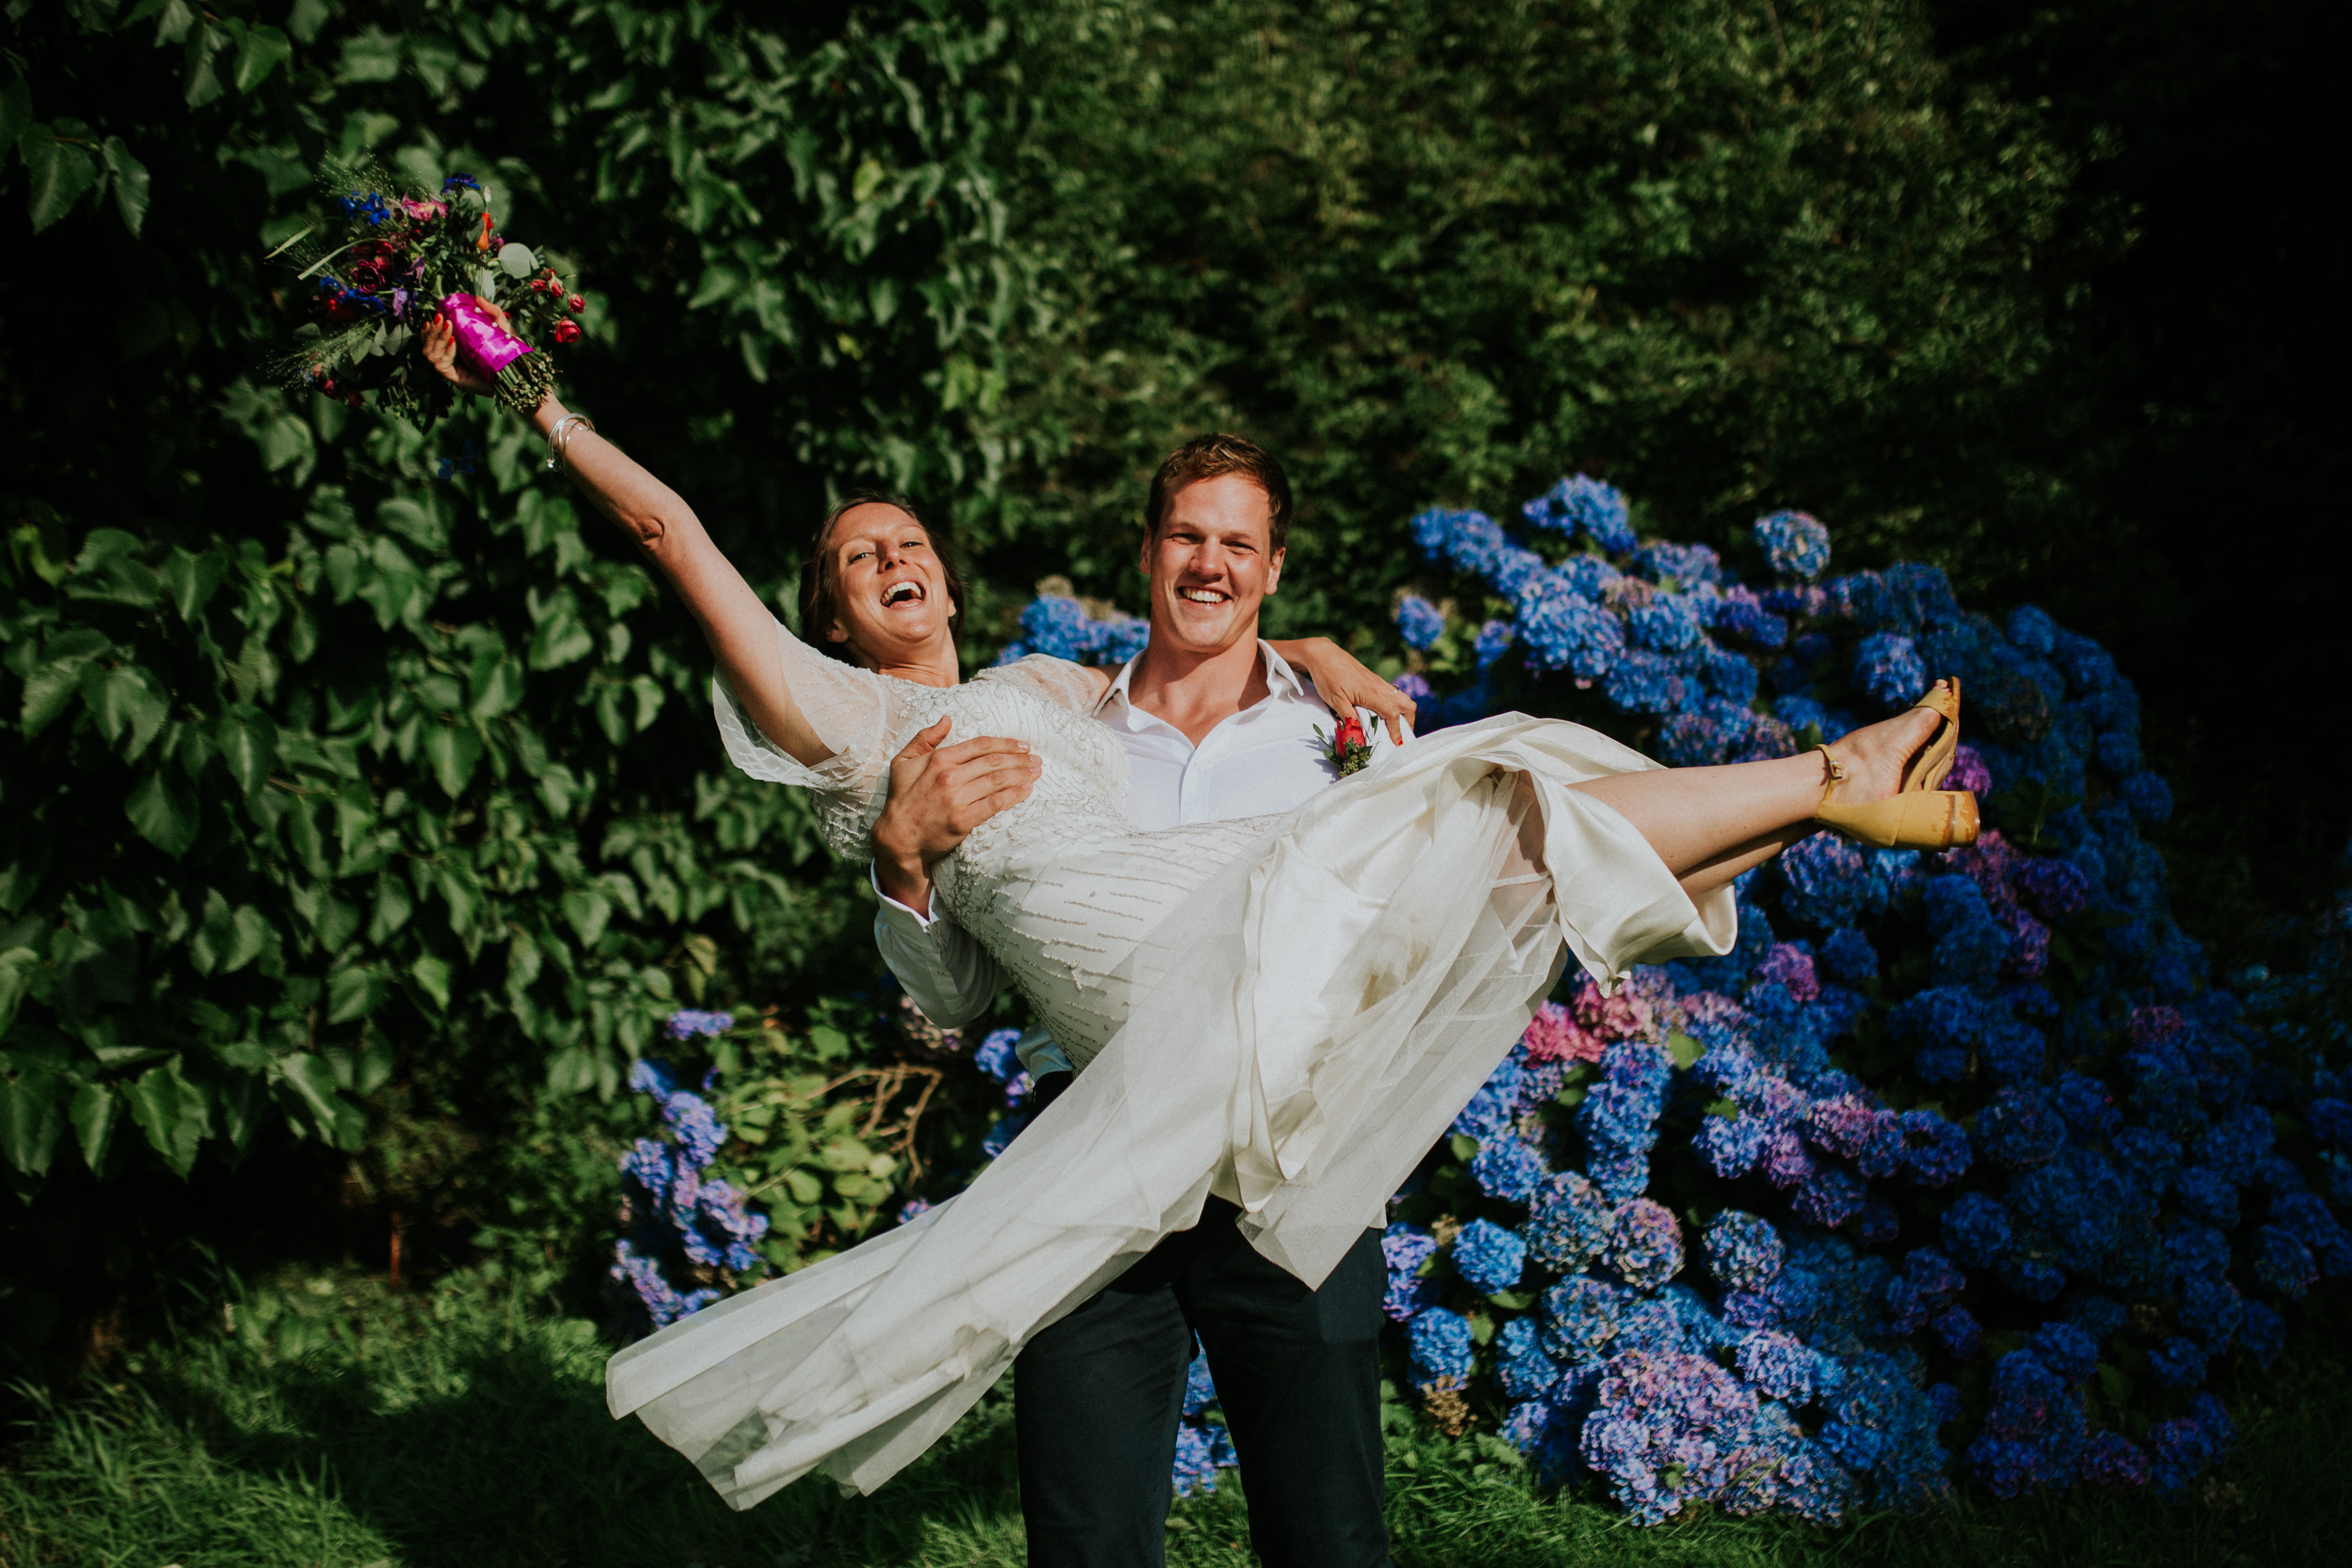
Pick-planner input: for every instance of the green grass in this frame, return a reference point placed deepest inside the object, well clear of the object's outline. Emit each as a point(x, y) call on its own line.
point(333, 1423)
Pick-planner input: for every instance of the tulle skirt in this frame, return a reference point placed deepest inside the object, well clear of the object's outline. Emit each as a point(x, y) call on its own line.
point(1303, 1024)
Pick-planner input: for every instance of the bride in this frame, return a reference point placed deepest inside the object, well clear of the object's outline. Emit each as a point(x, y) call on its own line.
point(1285, 1012)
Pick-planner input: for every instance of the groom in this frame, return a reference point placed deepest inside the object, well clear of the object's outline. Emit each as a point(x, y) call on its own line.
point(1216, 725)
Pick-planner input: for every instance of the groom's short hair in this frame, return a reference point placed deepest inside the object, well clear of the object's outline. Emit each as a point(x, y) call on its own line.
point(1211, 457)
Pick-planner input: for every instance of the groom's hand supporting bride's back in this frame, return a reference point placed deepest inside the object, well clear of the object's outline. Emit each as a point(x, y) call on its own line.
point(939, 793)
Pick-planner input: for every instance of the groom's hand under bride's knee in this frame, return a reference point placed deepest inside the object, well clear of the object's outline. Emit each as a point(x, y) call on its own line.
point(939, 793)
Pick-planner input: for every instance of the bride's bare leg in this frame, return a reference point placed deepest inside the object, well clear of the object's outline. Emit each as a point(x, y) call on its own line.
point(1708, 825)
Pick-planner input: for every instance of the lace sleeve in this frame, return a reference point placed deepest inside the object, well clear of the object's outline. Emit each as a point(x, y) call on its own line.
point(853, 713)
point(1057, 681)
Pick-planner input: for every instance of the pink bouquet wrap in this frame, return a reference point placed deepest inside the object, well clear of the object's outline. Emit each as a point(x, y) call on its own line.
point(518, 371)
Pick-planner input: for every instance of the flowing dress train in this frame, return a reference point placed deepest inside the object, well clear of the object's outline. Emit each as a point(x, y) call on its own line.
point(1283, 1011)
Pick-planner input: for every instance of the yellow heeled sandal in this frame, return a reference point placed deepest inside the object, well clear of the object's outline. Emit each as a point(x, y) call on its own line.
point(1921, 816)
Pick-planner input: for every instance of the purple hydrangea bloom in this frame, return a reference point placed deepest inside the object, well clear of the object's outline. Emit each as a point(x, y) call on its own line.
point(1936, 1152)
point(1959, 1334)
point(1662, 1431)
point(1729, 1145)
point(995, 1055)
point(1828, 1198)
point(1581, 504)
point(1406, 1249)
point(1494, 640)
point(649, 1075)
point(1976, 1230)
point(2112, 1460)
point(1645, 1244)
point(1742, 1251)
point(1779, 1365)
point(2283, 1262)
point(1847, 954)
point(687, 1025)
point(1521, 1366)
point(2069, 1352)
point(2021, 1128)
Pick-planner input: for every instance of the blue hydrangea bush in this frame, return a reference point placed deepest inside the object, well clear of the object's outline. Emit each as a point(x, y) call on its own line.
point(1960, 1165)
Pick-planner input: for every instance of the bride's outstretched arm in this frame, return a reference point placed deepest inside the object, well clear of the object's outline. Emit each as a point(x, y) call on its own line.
point(740, 629)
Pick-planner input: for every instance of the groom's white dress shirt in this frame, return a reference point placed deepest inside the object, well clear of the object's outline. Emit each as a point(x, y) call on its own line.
point(1265, 759)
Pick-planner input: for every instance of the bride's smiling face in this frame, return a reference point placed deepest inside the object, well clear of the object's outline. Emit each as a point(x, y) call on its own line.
point(894, 606)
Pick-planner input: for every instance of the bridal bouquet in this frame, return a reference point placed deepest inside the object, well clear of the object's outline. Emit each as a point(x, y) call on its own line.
point(401, 258)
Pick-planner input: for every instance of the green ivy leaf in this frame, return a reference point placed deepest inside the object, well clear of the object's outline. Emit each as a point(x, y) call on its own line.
point(266, 48)
point(171, 1112)
point(128, 704)
point(93, 1112)
point(192, 580)
point(131, 180)
point(29, 1123)
point(247, 741)
point(352, 993)
point(17, 966)
point(60, 174)
point(53, 683)
point(203, 84)
point(163, 807)
point(432, 976)
point(588, 910)
point(453, 750)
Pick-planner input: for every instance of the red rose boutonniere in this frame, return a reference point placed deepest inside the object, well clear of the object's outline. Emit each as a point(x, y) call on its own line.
point(1346, 748)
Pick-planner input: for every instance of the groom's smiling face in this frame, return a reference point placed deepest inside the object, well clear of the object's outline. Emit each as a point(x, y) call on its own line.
point(1211, 563)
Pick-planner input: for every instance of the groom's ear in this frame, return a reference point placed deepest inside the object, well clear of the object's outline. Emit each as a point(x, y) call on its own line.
point(1274, 571)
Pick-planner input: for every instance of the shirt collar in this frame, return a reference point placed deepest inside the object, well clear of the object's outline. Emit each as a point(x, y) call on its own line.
point(1118, 706)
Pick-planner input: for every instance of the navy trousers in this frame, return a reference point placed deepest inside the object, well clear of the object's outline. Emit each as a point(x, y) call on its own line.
point(1098, 1398)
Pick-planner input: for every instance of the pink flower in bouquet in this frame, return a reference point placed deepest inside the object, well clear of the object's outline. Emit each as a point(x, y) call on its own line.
point(567, 332)
point(1554, 1035)
point(369, 270)
point(1623, 1016)
point(425, 212)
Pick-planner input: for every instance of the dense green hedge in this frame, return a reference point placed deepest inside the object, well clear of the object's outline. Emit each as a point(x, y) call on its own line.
point(335, 752)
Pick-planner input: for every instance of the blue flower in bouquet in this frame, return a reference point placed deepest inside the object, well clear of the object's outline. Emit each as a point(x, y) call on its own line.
point(1419, 622)
point(1569, 1224)
point(1405, 1250)
point(1888, 665)
point(1441, 1343)
point(1795, 543)
point(1742, 1251)
point(1581, 504)
point(1488, 1257)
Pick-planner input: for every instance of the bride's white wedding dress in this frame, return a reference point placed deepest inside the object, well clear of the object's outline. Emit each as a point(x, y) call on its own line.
point(1284, 1011)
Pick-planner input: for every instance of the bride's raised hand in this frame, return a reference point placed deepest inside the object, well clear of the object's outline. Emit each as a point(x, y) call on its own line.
point(1345, 685)
point(439, 342)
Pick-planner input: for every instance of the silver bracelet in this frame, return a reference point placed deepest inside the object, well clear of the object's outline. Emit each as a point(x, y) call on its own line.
point(561, 437)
